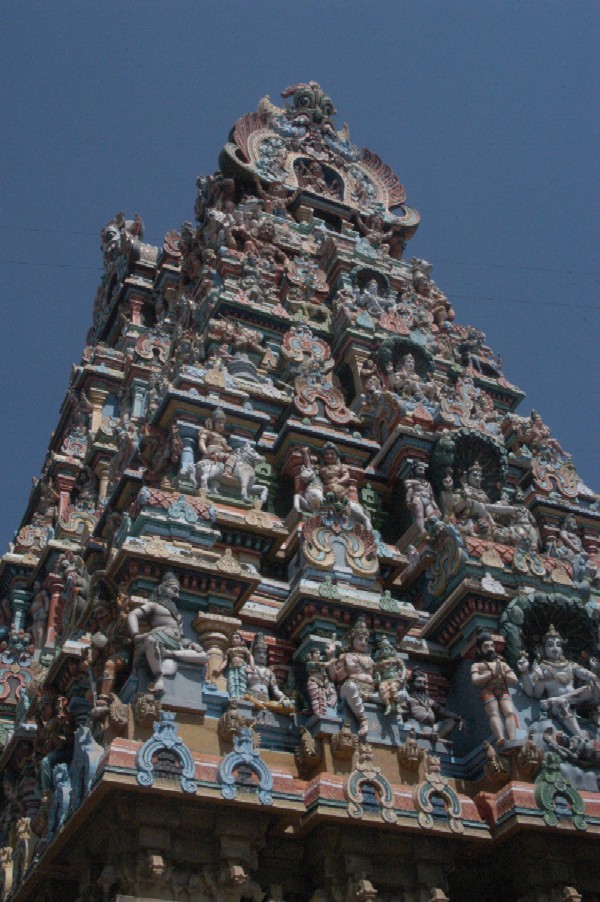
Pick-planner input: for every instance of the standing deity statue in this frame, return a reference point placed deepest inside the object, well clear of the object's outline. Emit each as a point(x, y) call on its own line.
point(319, 687)
point(238, 659)
point(110, 652)
point(389, 677)
point(164, 645)
point(553, 679)
point(353, 672)
point(493, 677)
point(419, 496)
point(426, 711)
point(262, 688)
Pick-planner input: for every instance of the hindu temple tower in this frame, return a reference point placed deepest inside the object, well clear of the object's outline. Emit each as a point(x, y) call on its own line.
point(300, 608)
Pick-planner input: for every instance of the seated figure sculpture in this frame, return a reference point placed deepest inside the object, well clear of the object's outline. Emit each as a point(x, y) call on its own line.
point(407, 383)
point(262, 689)
point(425, 711)
point(352, 671)
point(319, 687)
point(329, 482)
point(164, 645)
point(470, 502)
point(222, 465)
point(560, 684)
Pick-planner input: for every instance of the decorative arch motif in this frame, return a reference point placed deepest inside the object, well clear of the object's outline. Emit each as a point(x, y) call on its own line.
point(165, 737)
point(328, 529)
point(550, 784)
point(529, 616)
point(366, 773)
point(245, 755)
point(434, 785)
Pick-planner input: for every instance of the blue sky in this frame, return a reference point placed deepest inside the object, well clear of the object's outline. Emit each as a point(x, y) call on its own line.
point(488, 112)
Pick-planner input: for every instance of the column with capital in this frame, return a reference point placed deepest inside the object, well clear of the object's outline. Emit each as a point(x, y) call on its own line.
point(55, 586)
point(98, 398)
point(20, 600)
point(214, 632)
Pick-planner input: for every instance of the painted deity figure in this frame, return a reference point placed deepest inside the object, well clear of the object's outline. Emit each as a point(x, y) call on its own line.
point(370, 300)
point(319, 687)
point(433, 719)
point(332, 478)
point(553, 679)
point(164, 645)
point(406, 382)
point(262, 688)
point(419, 496)
point(110, 650)
point(389, 677)
point(335, 476)
point(353, 672)
point(493, 677)
point(238, 658)
point(470, 502)
point(212, 442)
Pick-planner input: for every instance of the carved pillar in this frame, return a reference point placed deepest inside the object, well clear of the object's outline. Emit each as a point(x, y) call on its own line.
point(20, 601)
point(189, 439)
point(136, 304)
point(138, 395)
point(97, 397)
point(64, 486)
point(55, 587)
point(102, 471)
point(214, 632)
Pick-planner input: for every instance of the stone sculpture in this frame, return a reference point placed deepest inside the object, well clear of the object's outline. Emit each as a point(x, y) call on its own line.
point(494, 678)
point(353, 672)
point(164, 645)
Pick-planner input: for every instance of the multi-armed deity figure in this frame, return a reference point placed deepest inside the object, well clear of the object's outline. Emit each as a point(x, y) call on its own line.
point(353, 672)
point(560, 684)
point(164, 644)
point(493, 677)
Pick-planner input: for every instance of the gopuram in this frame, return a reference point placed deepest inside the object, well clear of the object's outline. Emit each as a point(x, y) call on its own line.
point(300, 608)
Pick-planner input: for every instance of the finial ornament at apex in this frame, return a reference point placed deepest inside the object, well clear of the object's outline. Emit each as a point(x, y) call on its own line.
point(295, 153)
